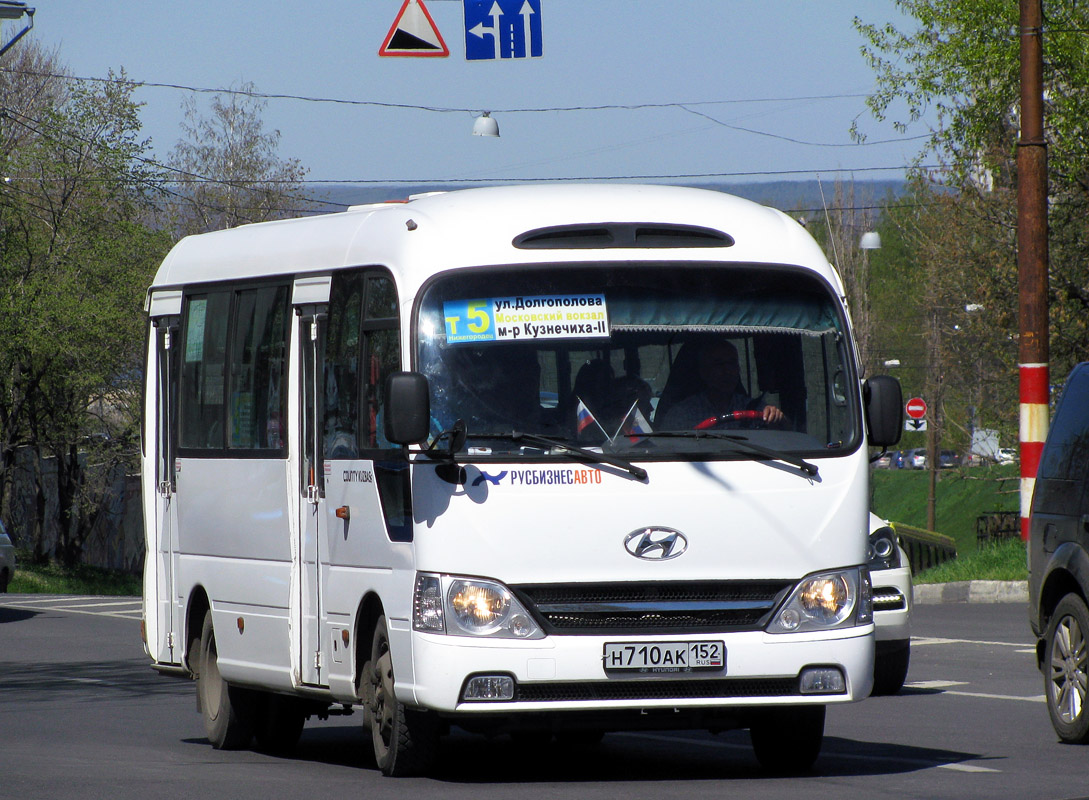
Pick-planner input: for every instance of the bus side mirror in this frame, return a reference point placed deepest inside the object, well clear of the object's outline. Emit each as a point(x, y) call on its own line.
point(884, 410)
point(407, 405)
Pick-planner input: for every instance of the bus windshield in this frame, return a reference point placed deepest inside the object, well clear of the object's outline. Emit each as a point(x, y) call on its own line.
point(648, 361)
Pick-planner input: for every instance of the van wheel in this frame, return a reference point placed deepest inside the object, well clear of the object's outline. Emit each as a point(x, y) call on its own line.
point(279, 723)
point(227, 710)
point(890, 670)
point(405, 740)
point(787, 740)
point(1067, 670)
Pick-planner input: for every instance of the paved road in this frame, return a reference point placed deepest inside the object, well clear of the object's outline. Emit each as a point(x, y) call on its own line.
point(82, 716)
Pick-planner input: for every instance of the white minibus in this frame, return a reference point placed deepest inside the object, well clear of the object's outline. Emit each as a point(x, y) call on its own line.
point(547, 461)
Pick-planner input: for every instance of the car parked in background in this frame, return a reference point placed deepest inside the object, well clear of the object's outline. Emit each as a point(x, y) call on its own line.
point(948, 459)
point(1059, 561)
point(890, 575)
point(7, 558)
point(1006, 455)
point(915, 459)
point(883, 461)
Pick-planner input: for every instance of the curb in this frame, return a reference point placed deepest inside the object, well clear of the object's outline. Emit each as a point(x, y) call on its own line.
point(971, 592)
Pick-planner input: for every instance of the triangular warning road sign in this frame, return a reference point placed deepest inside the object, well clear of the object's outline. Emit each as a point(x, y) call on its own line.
point(414, 34)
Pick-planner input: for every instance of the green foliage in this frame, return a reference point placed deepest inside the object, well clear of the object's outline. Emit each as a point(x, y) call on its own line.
point(959, 66)
point(76, 254)
point(1005, 560)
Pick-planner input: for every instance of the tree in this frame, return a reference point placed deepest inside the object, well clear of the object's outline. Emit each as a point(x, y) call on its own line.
point(961, 65)
point(77, 256)
point(227, 168)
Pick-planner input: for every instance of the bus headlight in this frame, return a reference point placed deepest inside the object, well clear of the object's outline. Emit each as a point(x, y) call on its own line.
point(470, 607)
point(839, 599)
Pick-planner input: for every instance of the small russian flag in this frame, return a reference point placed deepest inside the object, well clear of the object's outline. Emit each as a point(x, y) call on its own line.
point(584, 418)
point(635, 425)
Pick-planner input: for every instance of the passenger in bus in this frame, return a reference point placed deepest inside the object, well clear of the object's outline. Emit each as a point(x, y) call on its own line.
point(721, 393)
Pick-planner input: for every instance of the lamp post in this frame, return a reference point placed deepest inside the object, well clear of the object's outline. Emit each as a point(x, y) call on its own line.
point(871, 240)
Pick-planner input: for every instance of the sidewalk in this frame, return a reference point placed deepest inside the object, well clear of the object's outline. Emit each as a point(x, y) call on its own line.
point(971, 592)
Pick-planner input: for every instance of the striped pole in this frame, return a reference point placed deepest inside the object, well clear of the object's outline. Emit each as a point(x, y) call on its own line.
point(1032, 255)
point(1034, 424)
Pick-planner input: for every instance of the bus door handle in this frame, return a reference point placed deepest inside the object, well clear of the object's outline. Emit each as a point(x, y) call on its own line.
point(164, 489)
point(312, 494)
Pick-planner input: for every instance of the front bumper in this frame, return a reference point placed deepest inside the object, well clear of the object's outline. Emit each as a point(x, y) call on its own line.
point(892, 600)
point(566, 674)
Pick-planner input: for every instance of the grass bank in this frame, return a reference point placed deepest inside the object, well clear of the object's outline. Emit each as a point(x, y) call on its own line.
point(961, 496)
point(32, 578)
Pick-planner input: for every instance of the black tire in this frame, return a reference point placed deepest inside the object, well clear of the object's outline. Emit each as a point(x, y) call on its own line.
point(5, 579)
point(788, 740)
point(279, 723)
point(405, 740)
point(890, 670)
point(227, 711)
point(1066, 670)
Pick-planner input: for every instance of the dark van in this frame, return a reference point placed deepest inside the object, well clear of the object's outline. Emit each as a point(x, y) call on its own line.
point(1059, 561)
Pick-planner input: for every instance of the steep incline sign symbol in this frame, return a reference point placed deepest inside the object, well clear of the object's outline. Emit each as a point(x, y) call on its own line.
point(414, 34)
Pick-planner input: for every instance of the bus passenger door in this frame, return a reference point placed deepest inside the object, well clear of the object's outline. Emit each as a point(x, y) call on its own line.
point(312, 505)
point(168, 645)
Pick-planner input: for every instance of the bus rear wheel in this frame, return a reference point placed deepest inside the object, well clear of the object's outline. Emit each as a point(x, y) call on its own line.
point(227, 711)
point(405, 740)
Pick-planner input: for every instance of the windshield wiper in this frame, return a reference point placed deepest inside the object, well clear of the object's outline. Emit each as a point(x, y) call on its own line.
point(740, 443)
point(563, 447)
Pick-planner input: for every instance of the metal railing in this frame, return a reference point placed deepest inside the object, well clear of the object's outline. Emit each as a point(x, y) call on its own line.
point(925, 549)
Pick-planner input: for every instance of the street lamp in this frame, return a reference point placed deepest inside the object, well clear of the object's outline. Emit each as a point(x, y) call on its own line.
point(485, 125)
point(10, 9)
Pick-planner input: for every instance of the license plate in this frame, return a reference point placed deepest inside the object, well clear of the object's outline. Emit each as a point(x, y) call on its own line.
point(663, 656)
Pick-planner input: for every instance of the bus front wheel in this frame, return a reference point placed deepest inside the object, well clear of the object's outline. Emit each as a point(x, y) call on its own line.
point(405, 740)
point(787, 739)
point(227, 711)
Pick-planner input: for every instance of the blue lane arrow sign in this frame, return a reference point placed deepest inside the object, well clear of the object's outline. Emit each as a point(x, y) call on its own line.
point(497, 29)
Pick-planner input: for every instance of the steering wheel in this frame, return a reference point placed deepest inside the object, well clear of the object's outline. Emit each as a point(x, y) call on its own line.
point(733, 416)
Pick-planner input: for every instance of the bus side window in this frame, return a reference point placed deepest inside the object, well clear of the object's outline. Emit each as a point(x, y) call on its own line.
point(257, 369)
point(202, 413)
point(342, 368)
point(382, 348)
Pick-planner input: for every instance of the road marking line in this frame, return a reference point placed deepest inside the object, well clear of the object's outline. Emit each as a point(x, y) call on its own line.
point(925, 640)
point(934, 684)
point(945, 687)
point(915, 762)
point(1034, 699)
point(966, 768)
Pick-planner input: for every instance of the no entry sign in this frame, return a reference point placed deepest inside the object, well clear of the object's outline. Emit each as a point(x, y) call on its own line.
point(916, 408)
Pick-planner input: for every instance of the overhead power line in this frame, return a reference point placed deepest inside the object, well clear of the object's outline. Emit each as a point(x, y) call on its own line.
point(423, 107)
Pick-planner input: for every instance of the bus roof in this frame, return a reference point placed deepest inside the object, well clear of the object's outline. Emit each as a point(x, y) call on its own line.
point(476, 227)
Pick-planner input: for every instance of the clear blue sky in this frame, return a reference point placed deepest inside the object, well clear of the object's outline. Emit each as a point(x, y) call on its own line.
point(747, 64)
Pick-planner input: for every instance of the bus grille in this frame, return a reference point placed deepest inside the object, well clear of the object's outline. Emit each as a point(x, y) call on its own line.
point(626, 608)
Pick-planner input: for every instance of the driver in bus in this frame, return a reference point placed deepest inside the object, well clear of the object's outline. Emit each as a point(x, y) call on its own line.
point(722, 392)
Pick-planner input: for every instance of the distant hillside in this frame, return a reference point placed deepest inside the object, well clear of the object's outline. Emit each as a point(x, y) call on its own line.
point(803, 196)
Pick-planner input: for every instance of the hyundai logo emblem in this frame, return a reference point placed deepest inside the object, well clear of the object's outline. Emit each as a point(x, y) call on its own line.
point(656, 544)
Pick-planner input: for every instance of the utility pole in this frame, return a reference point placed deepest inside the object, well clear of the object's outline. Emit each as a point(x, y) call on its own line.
point(1032, 255)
